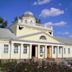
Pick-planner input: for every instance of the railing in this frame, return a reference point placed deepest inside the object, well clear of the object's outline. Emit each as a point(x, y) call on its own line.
point(43, 26)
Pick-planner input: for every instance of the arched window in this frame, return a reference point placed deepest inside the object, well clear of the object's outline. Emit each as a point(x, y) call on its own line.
point(42, 37)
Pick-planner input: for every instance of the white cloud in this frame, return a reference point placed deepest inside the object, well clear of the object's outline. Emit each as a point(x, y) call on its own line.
point(67, 34)
point(51, 12)
point(63, 33)
point(70, 36)
point(40, 2)
point(61, 23)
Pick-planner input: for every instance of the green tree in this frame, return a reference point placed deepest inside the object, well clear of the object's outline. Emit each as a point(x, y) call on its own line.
point(3, 23)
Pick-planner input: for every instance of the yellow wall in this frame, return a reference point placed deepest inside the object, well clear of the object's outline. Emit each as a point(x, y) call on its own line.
point(30, 30)
point(67, 46)
point(37, 38)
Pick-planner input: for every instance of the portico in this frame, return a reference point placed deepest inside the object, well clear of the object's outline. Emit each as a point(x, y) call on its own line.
point(29, 50)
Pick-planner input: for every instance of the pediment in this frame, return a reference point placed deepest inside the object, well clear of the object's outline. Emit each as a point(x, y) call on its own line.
point(37, 37)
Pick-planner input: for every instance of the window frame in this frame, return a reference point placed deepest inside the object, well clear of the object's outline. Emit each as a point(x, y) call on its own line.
point(68, 50)
point(41, 49)
point(25, 49)
point(64, 50)
point(16, 48)
point(54, 49)
point(60, 49)
point(42, 37)
point(6, 47)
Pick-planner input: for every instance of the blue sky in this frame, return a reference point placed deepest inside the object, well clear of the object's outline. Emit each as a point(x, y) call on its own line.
point(57, 13)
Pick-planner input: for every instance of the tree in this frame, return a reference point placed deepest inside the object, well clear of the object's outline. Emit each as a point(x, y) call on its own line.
point(3, 23)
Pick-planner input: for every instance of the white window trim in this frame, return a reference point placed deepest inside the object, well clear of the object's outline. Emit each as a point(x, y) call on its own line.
point(16, 49)
point(6, 47)
point(25, 49)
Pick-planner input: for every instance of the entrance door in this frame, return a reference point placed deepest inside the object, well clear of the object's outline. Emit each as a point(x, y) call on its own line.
point(33, 50)
point(48, 51)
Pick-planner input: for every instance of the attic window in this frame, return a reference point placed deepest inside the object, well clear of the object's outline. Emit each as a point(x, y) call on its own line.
point(20, 27)
point(25, 21)
point(42, 37)
point(50, 33)
point(31, 21)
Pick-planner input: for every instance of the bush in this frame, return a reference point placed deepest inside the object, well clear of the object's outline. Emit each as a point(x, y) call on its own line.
point(32, 66)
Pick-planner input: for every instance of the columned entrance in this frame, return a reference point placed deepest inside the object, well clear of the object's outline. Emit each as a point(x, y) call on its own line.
point(33, 50)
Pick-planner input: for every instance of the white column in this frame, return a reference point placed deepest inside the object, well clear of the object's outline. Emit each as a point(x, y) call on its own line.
point(62, 51)
point(45, 51)
point(12, 50)
point(52, 51)
point(30, 51)
point(38, 51)
point(57, 51)
point(21, 52)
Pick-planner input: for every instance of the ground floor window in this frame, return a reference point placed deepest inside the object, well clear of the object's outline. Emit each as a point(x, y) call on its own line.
point(54, 49)
point(41, 49)
point(64, 51)
point(6, 48)
point(16, 48)
point(25, 48)
point(60, 49)
point(68, 50)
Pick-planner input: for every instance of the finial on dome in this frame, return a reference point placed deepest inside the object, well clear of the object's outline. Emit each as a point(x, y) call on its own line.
point(28, 13)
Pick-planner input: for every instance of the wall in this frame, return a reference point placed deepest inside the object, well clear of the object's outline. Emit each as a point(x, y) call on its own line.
point(2, 54)
point(67, 55)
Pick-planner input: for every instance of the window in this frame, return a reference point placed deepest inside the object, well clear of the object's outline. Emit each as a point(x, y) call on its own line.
point(15, 48)
point(25, 49)
point(6, 48)
point(31, 21)
point(50, 33)
point(68, 50)
point(20, 27)
point(41, 49)
point(54, 50)
point(64, 51)
point(42, 37)
point(60, 50)
point(25, 21)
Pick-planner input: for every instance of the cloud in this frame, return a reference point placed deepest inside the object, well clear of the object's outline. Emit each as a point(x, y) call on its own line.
point(40, 2)
point(70, 36)
point(63, 33)
point(61, 23)
point(51, 12)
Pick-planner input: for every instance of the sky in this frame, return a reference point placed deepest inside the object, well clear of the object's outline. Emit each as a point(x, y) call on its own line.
point(57, 13)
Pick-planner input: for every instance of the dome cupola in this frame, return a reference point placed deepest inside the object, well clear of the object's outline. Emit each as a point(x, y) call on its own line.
point(28, 13)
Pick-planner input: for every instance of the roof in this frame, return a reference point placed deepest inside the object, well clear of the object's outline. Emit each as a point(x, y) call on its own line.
point(6, 34)
point(28, 13)
point(67, 41)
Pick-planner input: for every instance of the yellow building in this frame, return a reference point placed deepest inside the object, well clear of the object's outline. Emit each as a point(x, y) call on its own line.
point(26, 39)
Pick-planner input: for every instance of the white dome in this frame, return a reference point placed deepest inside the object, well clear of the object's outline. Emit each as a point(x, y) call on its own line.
point(28, 13)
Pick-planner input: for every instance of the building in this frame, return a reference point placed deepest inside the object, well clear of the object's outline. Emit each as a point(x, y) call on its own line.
point(26, 39)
